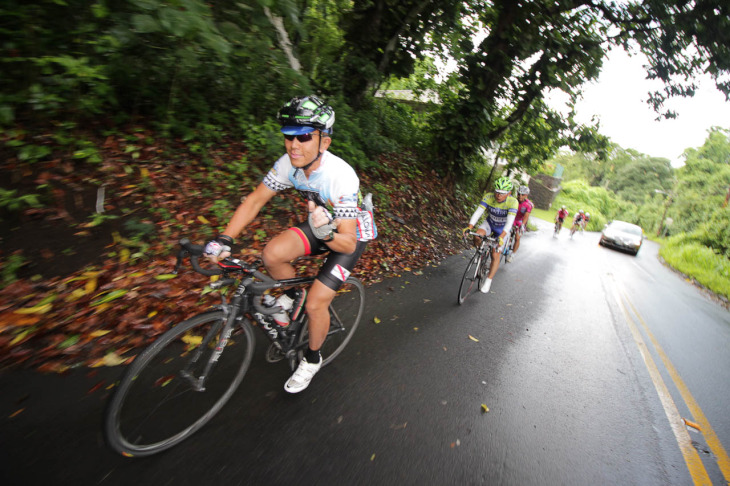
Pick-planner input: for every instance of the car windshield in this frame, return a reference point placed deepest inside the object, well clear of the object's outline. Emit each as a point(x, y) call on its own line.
point(631, 229)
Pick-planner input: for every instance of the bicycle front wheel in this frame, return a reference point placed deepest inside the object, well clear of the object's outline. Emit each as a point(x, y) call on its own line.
point(170, 391)
point(346, 312)
point(471, 279)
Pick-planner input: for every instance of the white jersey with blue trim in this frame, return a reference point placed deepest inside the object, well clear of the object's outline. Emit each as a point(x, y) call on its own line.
point(334, 185)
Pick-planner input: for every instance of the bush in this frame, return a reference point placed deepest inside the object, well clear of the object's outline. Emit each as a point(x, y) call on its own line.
point(715, 233)
point(600, 203)
point(701, 262)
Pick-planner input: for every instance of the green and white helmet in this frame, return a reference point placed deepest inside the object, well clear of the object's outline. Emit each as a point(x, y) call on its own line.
point(304, 114)
point(503, 185)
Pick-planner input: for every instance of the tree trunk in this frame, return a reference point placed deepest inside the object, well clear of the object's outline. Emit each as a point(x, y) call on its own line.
point(284, 41)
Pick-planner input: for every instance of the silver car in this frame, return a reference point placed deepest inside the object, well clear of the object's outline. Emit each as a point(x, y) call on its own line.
point(622, 236)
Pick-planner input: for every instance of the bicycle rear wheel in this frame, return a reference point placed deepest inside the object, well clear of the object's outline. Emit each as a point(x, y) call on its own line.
point(346, 312)
point(161, 401)
point(472, 277)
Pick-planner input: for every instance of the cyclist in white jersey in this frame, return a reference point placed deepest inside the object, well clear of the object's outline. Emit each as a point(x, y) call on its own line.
point(337, 223)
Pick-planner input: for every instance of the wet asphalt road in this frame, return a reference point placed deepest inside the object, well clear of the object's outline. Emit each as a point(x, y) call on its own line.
point(570, 398)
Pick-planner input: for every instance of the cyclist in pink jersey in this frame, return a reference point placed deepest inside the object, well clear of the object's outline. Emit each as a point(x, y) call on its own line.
point(559, 218)
point(523, 214)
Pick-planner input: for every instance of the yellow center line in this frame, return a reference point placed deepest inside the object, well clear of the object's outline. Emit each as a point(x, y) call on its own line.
point(691, 457)
point(723, 460)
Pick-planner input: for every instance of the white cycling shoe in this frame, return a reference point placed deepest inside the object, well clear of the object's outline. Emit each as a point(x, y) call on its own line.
point(301, 378)
point(486, 285)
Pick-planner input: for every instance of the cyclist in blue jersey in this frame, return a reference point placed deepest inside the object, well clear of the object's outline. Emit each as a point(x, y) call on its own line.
point(338, 223)
point(501, 210)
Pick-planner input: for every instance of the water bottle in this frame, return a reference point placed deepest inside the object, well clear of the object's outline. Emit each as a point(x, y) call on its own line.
point(367, 202)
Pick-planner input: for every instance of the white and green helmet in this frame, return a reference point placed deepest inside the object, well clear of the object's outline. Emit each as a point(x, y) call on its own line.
point(303, 114)
point(503, 184)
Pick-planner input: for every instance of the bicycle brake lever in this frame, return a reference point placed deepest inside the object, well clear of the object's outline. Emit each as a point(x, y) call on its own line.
point(180, 257)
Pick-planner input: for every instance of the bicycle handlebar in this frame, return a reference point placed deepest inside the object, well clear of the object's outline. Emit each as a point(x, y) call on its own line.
point(196, 251)
point(483, 237)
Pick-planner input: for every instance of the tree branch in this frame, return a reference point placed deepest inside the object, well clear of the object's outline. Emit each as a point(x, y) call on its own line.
point(284, 41)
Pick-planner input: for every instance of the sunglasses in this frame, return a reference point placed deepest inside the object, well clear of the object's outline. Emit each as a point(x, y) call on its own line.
point(305, 137)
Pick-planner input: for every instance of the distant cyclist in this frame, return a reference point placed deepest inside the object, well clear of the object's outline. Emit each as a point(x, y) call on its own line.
point(524, 209)
point(560, 218)
point(578, 221)
point(586, 220)
point(501, 209)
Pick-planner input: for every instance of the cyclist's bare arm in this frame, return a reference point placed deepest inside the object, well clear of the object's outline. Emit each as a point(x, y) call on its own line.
point(248, 209)
point(345, 238)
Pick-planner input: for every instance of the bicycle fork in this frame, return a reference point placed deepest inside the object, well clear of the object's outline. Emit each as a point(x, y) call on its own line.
point(198, 383)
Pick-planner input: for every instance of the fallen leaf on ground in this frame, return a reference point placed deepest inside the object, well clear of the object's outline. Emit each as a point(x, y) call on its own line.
point(109, 359)
point(689, 423)
point(473, 338)
point(16, 413)
point(485, 409)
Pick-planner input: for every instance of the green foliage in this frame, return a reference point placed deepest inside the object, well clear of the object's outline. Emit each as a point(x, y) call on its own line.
point(699, 261)
point(29, 152)
point(97, 219)
point(686, 38)
point(9, 267)
point(639, 179)
point(11, 201)
point(598, 201)
point(715, 233)
point(702, 183)
point(265, 140)
point(139, 230)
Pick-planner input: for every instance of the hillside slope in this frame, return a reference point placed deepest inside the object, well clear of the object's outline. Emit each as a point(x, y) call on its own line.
point(92, 266)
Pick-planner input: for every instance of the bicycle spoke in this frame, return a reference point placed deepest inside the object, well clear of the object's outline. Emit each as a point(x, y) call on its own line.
point(346, 312)
point(158, 402)
point(470, 280)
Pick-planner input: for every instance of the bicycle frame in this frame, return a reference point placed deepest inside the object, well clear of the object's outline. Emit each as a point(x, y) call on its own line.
point(246, 299)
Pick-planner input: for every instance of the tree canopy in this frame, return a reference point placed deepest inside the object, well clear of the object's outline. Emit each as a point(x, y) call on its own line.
point(195, 66)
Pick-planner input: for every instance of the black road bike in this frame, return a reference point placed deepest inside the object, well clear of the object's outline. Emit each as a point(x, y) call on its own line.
point(478, 267)
point(184, 378)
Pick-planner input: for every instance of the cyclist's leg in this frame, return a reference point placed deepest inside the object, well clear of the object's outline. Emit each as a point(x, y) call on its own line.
point(332, 275)
point(482, 231)
point(517, 237)
point(334, 272)
point(318, 301)
point(282, 250)
point(496, 253)
point(278, 254)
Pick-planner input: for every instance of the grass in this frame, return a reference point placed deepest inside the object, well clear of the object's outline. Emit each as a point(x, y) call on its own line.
point(545, 215)
point(701, 263)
